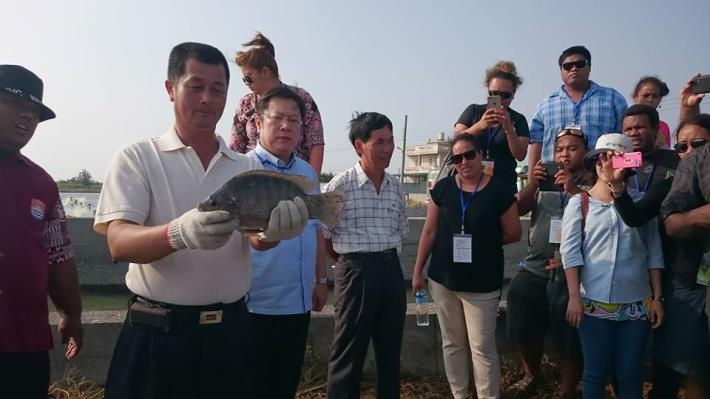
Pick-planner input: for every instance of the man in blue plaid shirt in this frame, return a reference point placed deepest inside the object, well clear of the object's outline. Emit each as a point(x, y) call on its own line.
point(578, 103)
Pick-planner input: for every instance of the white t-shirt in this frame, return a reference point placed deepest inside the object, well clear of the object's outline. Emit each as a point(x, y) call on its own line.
point(154, 181)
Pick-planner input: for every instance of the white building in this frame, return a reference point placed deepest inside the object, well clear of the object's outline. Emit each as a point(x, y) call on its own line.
point(424, 159)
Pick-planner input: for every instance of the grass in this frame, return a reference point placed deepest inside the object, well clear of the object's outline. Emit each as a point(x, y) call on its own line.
point(313, 379)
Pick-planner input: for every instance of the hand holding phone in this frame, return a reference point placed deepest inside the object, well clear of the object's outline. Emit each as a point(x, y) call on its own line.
point(627, 160)
point(701, 84)
point(549, 183)
point(495, 102)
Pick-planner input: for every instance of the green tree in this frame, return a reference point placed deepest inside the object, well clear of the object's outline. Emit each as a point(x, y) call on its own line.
point(326, 177)
point(83, 178)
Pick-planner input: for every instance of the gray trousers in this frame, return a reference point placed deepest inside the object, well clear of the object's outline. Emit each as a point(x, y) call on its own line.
point(370, 303)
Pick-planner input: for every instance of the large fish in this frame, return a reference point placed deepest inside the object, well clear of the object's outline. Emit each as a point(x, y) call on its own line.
point(251, 196)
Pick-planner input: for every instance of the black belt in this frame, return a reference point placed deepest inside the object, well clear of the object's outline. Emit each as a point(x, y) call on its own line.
point(187, 315)
point(386, 254)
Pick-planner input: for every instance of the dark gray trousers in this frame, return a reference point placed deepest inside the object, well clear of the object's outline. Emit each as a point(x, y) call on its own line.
point(370, 303)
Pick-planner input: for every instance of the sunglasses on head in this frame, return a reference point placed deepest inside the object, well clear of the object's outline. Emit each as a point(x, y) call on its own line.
point(567, 66)
point(247, 79)
point(458, 158)
point(571, 132)
point(505, 95)
point(683, 147)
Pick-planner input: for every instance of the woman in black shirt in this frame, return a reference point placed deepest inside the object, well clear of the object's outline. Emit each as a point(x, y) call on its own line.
point(503, 133)
point(469, 218)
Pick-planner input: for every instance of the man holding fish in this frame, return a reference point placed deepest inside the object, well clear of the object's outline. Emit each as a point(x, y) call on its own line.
point(187, 332)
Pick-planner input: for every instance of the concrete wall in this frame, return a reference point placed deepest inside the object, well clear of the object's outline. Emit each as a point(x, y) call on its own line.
point(96, 267)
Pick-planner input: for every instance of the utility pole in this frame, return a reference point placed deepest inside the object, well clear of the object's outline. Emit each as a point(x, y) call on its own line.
point(404, 148)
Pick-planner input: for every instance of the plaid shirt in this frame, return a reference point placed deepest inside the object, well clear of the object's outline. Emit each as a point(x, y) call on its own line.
point(600, 111)
point(370, 222)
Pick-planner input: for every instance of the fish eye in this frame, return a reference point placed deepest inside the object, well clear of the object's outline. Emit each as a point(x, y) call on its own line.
point(213, 202)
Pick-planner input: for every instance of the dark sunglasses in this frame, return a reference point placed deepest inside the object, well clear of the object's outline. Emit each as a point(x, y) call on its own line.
point(683, 147)
point(458, 158)
point(247, 79)
point(567, 66)
point(505, 95)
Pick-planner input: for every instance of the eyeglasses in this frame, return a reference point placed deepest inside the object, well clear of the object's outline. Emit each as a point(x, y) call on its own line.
point(280, 119)
point(567, 66)
point(247, 79)
point(683, 147)
point(458, 158)
point(505, 95)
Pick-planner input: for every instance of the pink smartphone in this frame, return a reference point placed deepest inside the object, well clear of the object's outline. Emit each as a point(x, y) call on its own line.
point(627, 160)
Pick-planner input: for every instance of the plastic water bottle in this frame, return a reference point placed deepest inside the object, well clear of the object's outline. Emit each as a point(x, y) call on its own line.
point(420, 298)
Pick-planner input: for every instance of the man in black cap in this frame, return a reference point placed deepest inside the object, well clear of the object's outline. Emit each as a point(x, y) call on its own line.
point(36, 255)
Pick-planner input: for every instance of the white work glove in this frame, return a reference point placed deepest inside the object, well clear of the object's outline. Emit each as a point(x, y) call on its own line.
point(201, 230)
point(287, 220)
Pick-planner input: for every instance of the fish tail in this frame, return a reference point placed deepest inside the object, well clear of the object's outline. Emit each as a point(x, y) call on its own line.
point(326, 207)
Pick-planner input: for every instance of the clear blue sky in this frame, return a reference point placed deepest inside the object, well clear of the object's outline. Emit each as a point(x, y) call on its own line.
point(104, 62)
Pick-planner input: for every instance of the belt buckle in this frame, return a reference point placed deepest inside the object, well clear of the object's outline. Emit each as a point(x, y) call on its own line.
point(211, 317)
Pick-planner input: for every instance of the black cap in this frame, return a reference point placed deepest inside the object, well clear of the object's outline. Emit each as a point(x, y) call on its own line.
point(21, 82)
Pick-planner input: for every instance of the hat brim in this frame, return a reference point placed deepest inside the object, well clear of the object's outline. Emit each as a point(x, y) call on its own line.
point(45, 113)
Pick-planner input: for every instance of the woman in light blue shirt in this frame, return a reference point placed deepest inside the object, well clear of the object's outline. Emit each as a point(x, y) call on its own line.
point(611, 269)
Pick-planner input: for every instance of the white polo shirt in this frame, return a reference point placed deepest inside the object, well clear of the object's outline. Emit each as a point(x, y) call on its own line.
point(154, 181)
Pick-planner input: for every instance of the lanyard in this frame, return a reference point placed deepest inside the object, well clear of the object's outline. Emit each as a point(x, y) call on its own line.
point(577, 106)
point(577, 111)
point(263, 161)
point(491, 135)
point(648, 182)
point(464, 205)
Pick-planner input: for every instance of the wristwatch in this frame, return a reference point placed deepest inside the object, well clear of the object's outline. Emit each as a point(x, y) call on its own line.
point(322, 280)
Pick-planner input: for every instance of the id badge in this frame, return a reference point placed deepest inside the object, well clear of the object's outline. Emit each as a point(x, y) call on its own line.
point(555, 230)
point(488, 166)
point(704, 271)
point(573, 126)
point(462, 248)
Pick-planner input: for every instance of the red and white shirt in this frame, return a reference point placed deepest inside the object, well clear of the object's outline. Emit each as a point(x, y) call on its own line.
point(33, 238)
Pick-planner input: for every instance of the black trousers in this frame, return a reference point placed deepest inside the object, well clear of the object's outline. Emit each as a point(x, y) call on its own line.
point(280, 344)
point(190, 361)
point(370, 303)
point(24, 375)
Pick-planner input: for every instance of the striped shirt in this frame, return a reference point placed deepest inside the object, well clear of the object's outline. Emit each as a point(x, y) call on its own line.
point(598, 112)
point(370, 222)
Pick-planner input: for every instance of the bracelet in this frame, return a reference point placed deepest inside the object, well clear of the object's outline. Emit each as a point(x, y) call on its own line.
point(322, 280)
point(657, 298)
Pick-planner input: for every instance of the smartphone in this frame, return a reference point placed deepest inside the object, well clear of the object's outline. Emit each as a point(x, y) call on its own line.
point(701, 84)
point(495, 102)
point(549, 183)
point(627, 160)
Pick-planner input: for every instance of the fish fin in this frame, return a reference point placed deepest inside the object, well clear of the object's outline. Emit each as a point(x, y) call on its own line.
point(304, 183)
point(326, 207)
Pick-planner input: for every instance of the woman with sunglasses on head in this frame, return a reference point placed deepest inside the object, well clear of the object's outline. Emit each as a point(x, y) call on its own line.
point(610, 269)
point(681, 347)
point(650, 90)
point(503, 132)
point(261, 73)
point(469, 218)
